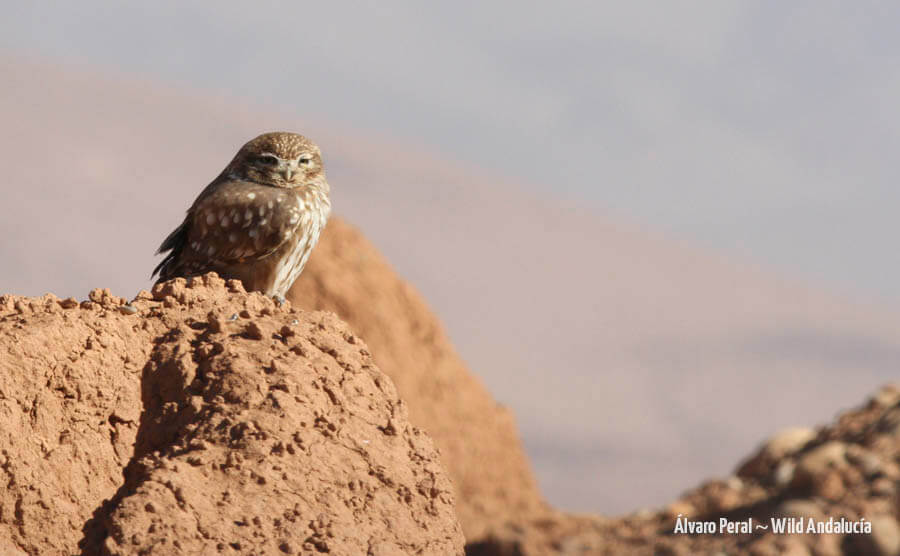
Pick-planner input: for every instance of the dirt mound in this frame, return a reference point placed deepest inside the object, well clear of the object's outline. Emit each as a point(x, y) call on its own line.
point(244, 426)
point(477, 438)
point(248, 427)
point(70, 402)
point(849, 470)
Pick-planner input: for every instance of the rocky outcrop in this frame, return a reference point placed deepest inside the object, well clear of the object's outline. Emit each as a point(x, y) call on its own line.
point(241, 426)
point(848, 470)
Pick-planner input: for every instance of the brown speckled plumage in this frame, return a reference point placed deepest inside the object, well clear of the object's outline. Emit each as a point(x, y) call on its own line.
point(258, 220)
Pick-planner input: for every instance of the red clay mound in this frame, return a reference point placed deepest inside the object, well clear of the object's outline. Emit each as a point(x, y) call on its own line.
point(246, 427)
point(255, 429)
point(477, 438)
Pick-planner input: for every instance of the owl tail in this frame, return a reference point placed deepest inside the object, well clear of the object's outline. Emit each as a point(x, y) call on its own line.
point(173, 244)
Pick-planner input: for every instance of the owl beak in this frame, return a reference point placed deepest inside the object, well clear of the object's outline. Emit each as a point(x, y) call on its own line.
point(288, 170)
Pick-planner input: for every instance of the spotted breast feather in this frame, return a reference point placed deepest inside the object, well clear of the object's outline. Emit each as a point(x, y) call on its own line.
point(258, 220)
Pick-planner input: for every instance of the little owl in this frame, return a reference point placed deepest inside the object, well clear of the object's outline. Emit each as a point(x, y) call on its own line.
point(257, 221)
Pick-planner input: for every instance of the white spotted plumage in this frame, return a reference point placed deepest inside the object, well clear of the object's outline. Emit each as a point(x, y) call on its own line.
point(308, 229)
point(259, 220)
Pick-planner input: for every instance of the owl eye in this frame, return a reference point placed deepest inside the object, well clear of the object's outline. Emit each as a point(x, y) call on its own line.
point(304, 160)
point(267, 159)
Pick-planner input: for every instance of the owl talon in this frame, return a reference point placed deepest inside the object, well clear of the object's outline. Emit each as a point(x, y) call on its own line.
point(280, 300)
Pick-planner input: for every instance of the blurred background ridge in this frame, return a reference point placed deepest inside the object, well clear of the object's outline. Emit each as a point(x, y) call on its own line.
point(615, 191)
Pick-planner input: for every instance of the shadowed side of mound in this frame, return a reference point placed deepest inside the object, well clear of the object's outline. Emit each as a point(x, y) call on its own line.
point(478, 439)
point(270, 430)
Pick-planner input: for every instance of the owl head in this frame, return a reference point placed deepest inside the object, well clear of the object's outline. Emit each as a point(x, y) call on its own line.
point(279, 159)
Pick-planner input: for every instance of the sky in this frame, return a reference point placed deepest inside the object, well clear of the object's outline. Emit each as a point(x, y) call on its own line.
point(764, 130)
point(758, 131)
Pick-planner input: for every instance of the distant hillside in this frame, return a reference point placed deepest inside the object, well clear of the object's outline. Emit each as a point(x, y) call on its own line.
point(617, 349)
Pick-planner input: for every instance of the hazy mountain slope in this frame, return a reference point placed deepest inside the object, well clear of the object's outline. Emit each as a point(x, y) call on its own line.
point(623, 355)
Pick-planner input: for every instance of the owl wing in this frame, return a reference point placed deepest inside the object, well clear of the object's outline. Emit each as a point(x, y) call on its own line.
point(230, 222)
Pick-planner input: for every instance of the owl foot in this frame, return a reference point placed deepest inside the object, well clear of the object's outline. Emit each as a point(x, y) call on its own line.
point(279, 299)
